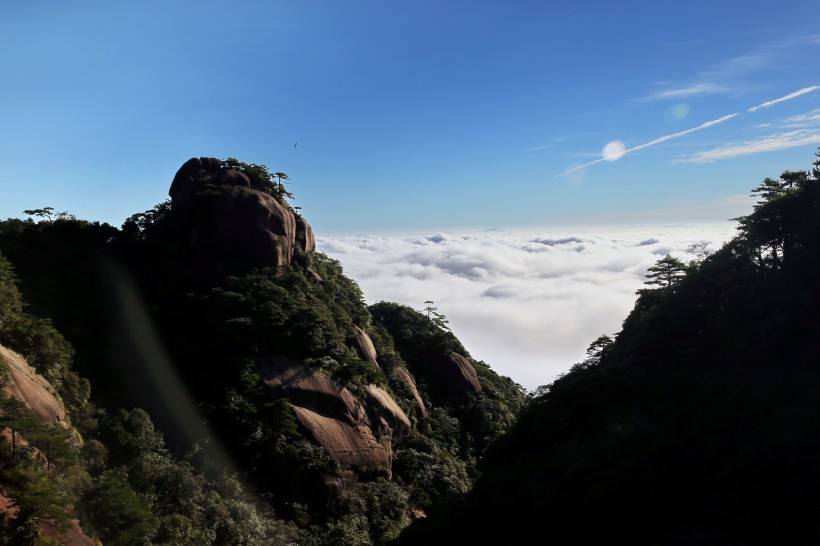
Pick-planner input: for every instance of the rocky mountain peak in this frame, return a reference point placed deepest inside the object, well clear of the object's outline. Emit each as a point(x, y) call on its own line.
point(233, 222)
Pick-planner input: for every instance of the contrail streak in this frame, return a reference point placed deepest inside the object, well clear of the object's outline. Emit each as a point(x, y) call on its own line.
point(787, 97)
point(656, 141)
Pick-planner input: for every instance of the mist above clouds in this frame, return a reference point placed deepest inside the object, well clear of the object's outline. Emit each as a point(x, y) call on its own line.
point(526, 302)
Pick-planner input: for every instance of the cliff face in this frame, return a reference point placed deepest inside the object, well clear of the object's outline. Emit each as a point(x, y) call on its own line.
point(232, 224)
point(336, 418)
point(26, 385)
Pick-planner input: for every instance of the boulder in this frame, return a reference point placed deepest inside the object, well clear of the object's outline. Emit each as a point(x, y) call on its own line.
point(26, 385)
point(233, 227)
point(191, 175)
point(232, 177)
point(315, 276)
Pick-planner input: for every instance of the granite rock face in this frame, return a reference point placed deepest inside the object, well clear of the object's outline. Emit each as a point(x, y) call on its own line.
point(411, 385)
point(231, 224)
point(26, 385)
point(304, 235)
point(366, 347)
point(452, 377)
point(335, 417)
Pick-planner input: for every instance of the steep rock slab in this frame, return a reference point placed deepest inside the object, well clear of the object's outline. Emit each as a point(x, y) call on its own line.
point(304, 235)
point(463, 374)
point(73, 535)
point(451, 377)
point(335, 417)
point(306, 387)
point(352, 446)
point(384, 410)
point(26, 385)
point(411, 385)
point(366, 347)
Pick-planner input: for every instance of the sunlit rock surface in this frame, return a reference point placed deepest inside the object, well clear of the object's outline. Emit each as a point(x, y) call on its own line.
point(335, 417)
point(366, 346)
point(26, 385)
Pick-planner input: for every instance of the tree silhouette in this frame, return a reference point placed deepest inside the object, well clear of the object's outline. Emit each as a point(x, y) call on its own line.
point(666, 272)
point(437, 318)
point(700, 250)
point(279, 177)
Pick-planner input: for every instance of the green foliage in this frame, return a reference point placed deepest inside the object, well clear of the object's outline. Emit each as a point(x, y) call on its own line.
point(139, 226)
point(11, 303)
point(260, 177)
point(373, 513)
point(28, 460)
point(114, 511)
point(433, 315)
point(415, 336)
point(430, 471)
point(423, 345)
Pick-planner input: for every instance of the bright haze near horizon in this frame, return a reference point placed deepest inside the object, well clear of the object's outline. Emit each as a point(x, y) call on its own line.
point(521, 164)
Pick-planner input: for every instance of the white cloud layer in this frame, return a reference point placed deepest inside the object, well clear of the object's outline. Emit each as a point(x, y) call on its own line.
point(527, 302)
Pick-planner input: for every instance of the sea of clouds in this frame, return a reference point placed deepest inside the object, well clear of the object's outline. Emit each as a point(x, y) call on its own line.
point(527, 302)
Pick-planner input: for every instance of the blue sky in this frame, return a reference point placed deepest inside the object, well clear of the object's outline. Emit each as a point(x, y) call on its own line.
point(410, 115)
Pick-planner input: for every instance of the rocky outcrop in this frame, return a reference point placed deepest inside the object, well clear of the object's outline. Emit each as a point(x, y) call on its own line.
point(351, 445)
point(335, 417)
point(32, 389)
point(69, 533)
point(405, 376)
point(463, 375)
point(304, 235)
point(452, 378)
point(366, 347)
point(232, 225)
point(26, 385)
point(385, 411)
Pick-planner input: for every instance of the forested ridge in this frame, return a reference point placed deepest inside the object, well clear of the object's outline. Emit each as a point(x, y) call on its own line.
point(200, 381)
point(696, 424)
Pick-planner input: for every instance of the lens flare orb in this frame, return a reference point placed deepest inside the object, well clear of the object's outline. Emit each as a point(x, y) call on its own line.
point(613, 150)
